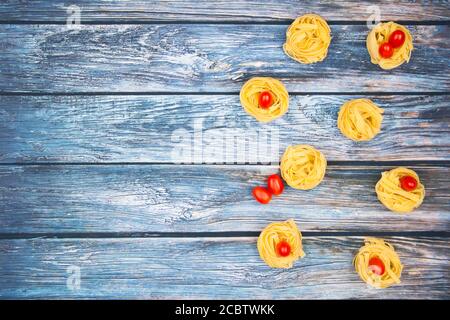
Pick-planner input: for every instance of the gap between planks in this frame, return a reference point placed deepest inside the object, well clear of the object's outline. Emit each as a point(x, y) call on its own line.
point(350, 163)
point(285, 22)
point(226, 234)
point(216, 93)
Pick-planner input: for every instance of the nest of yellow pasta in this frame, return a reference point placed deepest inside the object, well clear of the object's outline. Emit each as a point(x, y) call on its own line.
point(303, 167)
point(382, 251)
point(379, 35)
point(250, 94)
point(360, 119)
point(276, 233)
point(308, 39)
point(391, 194)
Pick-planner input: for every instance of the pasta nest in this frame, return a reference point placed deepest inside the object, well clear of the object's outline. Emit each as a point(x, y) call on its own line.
point(380, 34)
point(303, 167)
point(360, 119)
point(250, 98)
point(391, 194)
point(378, 248)
point(308, 39)
point(273, 234)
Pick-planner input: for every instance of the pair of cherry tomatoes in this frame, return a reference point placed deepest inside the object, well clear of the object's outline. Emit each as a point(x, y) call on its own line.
point(275, 186)
point(408, 183)
point(396, 40)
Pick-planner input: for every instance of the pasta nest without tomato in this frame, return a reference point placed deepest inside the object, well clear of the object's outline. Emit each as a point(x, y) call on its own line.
point(303, 167)
point(251, 91)
point(308, 39)
point(378, 248)
point(360, 119)
point(380, 34)
point(273, 234)
point(391, 194)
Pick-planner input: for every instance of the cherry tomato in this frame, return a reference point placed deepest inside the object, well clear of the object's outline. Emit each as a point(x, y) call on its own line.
point(262, 195)
point(265, 99)
point(408, 183)
point(397, 38)
point(283, 249)
point(376, 266)
point(386, 50)
point(275, 184)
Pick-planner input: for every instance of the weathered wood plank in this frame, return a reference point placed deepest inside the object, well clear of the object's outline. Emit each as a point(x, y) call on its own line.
point(234, 10)
point(226, 268)
point(141, 198)
point(153, 128)
point(205, 58)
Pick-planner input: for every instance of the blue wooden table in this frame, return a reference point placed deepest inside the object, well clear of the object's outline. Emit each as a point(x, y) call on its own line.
point(105, 191)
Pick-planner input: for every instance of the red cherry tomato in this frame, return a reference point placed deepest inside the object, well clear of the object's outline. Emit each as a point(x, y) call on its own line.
point(408, 183)
point(386, 50)
point(262, 195)
point(376, 266)
point(275, 184)
point(265, 99)
point(397, 38)
point(283, 248)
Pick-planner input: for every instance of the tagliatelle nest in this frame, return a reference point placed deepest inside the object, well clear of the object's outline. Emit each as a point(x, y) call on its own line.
point(391, 194)
point(303, 167)
point(378, 248)
point(251, 91)
point(273, 234)
point(308, 39)
point(380, 34)
point(360, 119)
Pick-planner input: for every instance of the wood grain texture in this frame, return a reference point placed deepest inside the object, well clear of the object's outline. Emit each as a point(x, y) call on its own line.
point(234, 10)
point(154, 128)
point(191, 59)
point(167, 198)
point(208, 268)
point(183, 58)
